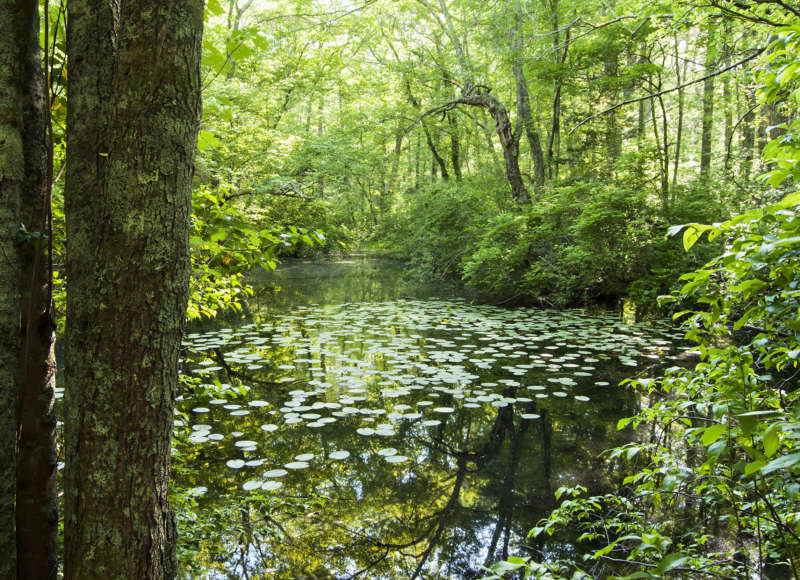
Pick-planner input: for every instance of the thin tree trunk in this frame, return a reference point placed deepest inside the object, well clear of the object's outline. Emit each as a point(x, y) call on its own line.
point(437, 160)
point(554, 144)
point(455, 146)
point(663, 145)
point(398, 150)
point(417, 156)
point(320, 180)
point(748, 134)
point(707, 129)
point(524, 114)
point(27, 422)
point(37, 500)
point(487, 133)
point(681, 103)
point(134, 88)
point(523, 100)
point(613, 137)
point(726, 92)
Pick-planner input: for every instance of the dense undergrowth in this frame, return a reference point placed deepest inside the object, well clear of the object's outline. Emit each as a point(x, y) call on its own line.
point(576, 243)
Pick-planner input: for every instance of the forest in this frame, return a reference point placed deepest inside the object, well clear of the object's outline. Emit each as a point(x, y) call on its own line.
point(399, 289)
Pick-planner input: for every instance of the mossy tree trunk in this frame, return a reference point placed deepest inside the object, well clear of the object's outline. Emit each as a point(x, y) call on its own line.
point(134, 86)
point(11, 175)
point(28, 510)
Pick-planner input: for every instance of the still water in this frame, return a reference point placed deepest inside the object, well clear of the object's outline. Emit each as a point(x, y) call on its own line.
point(350, 425)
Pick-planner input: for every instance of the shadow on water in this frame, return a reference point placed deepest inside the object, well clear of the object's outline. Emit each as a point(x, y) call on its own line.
point(350, 424)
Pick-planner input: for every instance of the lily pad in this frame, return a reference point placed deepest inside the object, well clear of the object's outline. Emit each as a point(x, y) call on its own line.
point(275, 473)
point(296, 465)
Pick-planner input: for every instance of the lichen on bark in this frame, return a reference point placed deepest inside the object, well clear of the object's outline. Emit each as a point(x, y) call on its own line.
point(130, 145)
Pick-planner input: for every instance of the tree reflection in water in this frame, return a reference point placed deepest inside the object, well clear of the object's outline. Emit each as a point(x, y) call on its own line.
point(311, 380)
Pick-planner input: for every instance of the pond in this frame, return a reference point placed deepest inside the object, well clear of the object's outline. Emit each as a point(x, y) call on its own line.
point(350, 425)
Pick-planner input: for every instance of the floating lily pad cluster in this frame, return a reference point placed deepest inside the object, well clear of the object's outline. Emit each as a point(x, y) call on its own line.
point(384, 372)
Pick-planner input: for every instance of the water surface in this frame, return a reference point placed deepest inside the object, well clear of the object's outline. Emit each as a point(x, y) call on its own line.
point(353, 425)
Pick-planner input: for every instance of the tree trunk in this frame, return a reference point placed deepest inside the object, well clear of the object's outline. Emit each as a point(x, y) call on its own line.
point(679, 76)
point(37, 500)
point(398, 151)
point(748, 142)
point(727, 105)
point(707, 129)
point(523, 99)
point(455, 146)
point(12, 162)
point(134, 88)
point(524, 114)
point(437, 160)
point(27, 367)
point(613, 136)
point(417, 156)
point(508, 141)
point(554, 141)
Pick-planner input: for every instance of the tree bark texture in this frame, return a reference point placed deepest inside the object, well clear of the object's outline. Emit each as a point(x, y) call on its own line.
point(28, 506)
point(12, 162)
point(134, 86)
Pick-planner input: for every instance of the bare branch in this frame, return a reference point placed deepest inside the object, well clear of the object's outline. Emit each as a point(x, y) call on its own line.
point(720, 5)
point(673, 89)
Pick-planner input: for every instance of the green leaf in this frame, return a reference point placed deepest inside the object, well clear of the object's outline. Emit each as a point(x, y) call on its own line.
point(670, 562)
point(747, 424)
point(771, 440)
point(753, 466)
point(692, 234)
point(206, 140)
point(503, 567)
point(214, 7)
point(789, 201)
point(785, 462)
point(712, 434)
point(716, 448)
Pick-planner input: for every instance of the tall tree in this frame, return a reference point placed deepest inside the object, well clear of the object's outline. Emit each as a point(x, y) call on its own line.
point(134, 86)
point(29, 501)
point(707, 129)
point(11, 175)
point(523, 98)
